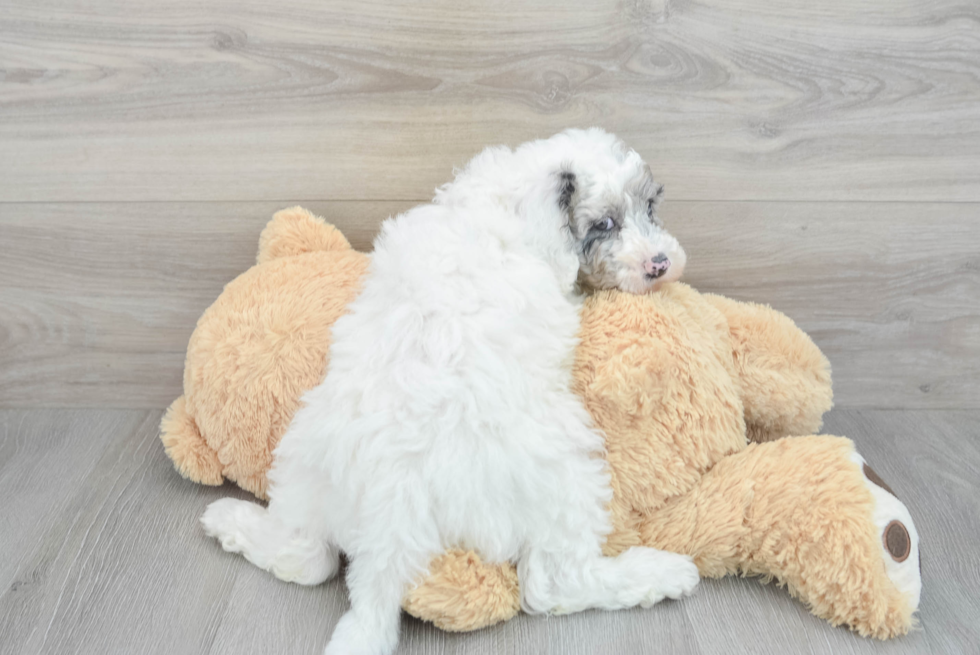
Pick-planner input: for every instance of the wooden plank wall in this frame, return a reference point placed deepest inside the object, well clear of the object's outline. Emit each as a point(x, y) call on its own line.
point(820, 157)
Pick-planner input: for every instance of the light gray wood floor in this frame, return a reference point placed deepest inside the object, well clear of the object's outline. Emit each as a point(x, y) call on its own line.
point(823, 157)
point(102, 553)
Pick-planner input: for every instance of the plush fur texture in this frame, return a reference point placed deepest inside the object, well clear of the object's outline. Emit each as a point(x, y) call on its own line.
point(459, 590)
point(258, 348)
point(446, 417)
point(712, 369)
point(671, 378)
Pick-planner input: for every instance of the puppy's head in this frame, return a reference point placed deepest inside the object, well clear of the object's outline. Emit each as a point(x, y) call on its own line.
point(589, 206)
point(611, 211)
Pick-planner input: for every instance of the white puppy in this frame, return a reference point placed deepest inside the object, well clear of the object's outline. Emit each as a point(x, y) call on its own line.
point(446, 417)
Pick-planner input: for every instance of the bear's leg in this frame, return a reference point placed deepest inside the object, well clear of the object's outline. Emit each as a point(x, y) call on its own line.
point(897, 536)
point(784, 378)
point(192, 456)
point(802, 510)
point(265, 541)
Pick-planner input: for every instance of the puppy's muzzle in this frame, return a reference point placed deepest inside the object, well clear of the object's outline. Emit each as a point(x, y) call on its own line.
point(656, 266)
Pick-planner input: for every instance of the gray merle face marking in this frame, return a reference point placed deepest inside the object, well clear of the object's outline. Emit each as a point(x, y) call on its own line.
point(619, 236)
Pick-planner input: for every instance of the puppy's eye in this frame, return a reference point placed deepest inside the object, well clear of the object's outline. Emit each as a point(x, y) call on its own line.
point(605, 224)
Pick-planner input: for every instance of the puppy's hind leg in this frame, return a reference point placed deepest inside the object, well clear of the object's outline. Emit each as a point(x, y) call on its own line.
point(390, 546)
point(563, 570)
point(263, 539)
point(565, 582)
point(371, 625)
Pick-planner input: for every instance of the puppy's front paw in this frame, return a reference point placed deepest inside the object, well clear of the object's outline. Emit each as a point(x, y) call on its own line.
point(659, 574)
point(680, 575)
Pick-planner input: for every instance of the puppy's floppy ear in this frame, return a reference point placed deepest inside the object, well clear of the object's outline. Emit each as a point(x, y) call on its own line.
point(658, 195)
point(567, 185)
point(549, 226)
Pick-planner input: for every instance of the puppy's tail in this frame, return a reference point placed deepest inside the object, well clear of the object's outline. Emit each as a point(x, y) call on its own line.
point(249, 529)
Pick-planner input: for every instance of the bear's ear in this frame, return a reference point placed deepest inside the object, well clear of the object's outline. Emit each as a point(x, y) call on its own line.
point(295, 231)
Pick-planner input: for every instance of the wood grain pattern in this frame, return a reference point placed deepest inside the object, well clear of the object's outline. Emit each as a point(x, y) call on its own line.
point(97, 301)
point(821, 157)
point(374, 100)
point(103, 554)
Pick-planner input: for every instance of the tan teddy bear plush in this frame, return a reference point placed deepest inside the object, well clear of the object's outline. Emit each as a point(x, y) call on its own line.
point(697, 396)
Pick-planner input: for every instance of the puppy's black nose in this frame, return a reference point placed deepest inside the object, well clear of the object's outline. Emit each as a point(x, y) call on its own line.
point(656, 266)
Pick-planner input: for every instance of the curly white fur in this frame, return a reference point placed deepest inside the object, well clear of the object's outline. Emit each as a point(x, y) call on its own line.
point(446, 417)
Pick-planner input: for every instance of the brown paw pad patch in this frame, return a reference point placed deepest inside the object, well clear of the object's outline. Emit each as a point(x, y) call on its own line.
point(875, 478)
point(897, 541)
